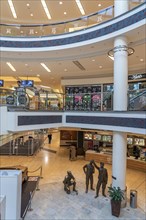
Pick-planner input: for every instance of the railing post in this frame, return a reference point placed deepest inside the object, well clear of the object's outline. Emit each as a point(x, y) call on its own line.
point(41, 173)
point(30, 209)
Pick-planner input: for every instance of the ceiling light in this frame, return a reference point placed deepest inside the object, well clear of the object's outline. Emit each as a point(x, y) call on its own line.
point(65, 70)
point(60, 3)
point(26, 64)
point(99, 5)
point(11, 67)
point(46, 9)
point(141, 60)
point(112, 58)
point(80, 7)
point(31, 15)
point(93, 60)
point(45, 67)
point(12, 8)
point(65, 13)
point(100, 67)
point(38, 75)
point(27, 4)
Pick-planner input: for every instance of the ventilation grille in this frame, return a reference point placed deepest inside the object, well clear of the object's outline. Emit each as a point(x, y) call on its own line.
point(77, 63)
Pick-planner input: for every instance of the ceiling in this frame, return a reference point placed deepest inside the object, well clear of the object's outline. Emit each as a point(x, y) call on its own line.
point(93, 57)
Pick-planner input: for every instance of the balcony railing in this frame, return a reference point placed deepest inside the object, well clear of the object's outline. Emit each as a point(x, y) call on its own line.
point(100, 101)
point(82, 23)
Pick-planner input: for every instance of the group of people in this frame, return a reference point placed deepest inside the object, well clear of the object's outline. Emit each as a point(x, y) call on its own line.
point(89, 170)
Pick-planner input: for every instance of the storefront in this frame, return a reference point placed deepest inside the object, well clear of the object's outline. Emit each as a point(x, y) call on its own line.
point(100, 97)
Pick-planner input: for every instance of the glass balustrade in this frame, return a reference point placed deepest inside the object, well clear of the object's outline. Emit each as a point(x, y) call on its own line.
point(40, 30)
point(44, 101)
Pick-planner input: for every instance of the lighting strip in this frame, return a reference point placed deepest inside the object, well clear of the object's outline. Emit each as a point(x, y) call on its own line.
point(45, 67)
point(11, 67)
point(80, 7)
point(46, 9)
point(12, 8)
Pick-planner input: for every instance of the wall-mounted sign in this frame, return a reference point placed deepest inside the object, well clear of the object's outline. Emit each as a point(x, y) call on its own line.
point(10, 100)
point(137, 76)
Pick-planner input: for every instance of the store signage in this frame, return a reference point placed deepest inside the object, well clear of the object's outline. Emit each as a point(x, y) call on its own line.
point(137, 76)
point(10, 100)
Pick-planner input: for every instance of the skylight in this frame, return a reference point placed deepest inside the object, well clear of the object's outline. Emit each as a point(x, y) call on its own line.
point(11, 67)
point(12, 8)
point(45, 67)
point(80, 7)
point(46, 9)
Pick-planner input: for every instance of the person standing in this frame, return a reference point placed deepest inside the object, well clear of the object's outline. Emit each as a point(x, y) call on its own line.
point(89, 171)
point(49, 138)
point(102, 179)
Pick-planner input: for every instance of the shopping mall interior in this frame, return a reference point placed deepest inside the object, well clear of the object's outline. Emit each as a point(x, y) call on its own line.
point(72, 91)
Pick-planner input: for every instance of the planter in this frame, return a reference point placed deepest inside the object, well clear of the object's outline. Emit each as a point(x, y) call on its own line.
point(115, 207)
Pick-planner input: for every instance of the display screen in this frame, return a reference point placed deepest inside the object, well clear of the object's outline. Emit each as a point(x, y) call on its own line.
point(139, 141)
point(1, 83)
point(107, 138)
point(129, 140)
point(88, 136)
point(97, 137)
point(27, 83)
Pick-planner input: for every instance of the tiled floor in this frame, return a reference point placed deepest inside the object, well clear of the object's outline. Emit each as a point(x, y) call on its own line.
point(51, 202)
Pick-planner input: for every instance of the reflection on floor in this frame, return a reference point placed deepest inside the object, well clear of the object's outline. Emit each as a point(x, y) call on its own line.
point(51, 202)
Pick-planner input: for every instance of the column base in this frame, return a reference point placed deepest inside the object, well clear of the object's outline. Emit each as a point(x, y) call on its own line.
point(124, 201)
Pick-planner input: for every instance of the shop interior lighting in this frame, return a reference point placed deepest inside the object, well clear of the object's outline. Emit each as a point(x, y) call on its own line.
point(12, 8)
point(80, 7)
point(11, 67)
point(46, 9)
point(45, 67)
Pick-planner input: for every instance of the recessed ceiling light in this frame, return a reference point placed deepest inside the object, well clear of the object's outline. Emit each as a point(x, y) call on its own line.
point(65, 13)
point(38, 75)
point(26, 64)
point(60, 3)
point(99, 5)
point(46, 9)
point(80, 7)
point(31, 15)
point(100, 67)
point(45, 67)
point(27, 4)
point(141, 60)
point(11, 67)
point(12, 8)
point(65, 70)
point(93, 60)
point(21, 32)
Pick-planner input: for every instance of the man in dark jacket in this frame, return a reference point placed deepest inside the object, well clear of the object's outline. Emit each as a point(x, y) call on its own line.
point(89, 170)
point(102, 179)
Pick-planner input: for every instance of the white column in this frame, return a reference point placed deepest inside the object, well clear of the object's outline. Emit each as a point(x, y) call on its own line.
point(120, 7)
point(119, 159)
point(120, 74)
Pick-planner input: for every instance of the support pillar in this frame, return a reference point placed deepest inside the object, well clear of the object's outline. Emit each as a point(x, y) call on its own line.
point(119, 159)
point(120, 52)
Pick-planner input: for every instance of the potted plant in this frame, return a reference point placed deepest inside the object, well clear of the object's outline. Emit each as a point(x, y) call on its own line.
point(116, 195)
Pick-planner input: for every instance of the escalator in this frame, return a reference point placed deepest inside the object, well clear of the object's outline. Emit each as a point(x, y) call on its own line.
point(138, 102)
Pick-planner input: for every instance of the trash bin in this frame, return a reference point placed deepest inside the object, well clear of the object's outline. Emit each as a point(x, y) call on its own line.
point(133, 198)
